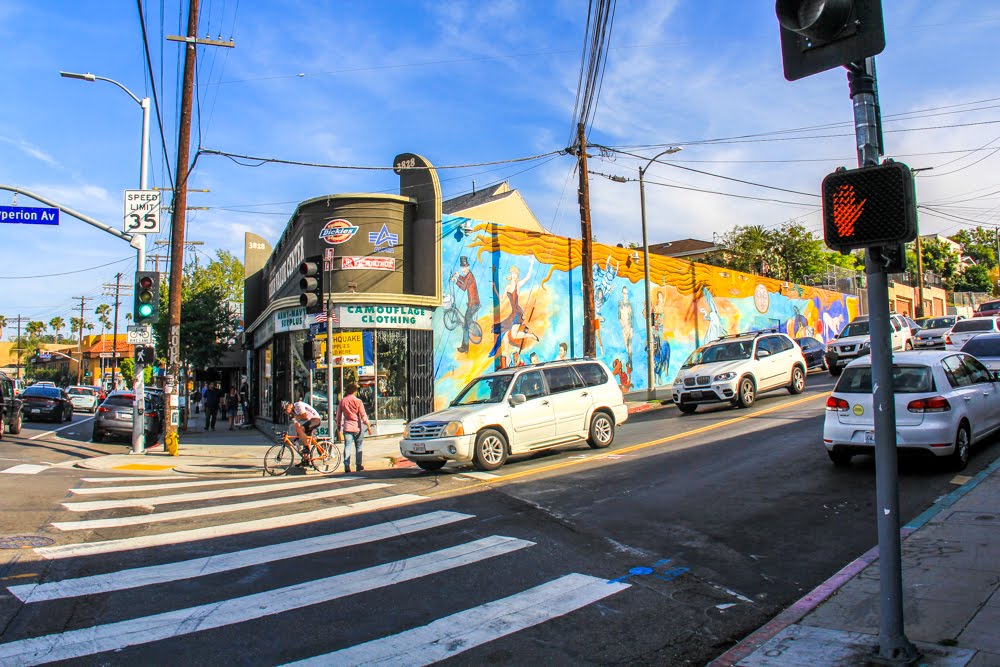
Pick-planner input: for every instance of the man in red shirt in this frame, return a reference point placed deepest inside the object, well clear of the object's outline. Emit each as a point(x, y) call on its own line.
point(350, 416)
point(466, 282)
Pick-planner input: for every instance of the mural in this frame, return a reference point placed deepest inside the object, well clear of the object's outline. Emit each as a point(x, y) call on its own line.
point(513, 297)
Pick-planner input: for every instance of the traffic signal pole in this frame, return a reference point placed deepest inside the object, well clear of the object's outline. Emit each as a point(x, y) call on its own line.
point(893, 646)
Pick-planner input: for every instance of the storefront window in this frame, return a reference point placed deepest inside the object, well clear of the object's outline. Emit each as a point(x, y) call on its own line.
point(266, 383)
point(389, 385)
point(300, 372)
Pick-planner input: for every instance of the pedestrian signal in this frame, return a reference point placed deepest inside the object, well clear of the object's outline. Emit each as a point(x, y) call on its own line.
point(146, 300)
point(868, 207)
point(817, 35)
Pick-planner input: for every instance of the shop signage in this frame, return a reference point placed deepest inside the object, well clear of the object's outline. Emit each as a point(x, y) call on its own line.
point(286, 268)
point(383, 239)
point(348, 349)
point(368, 263)
point(385, 317)
point(338, 231)
point(292, 319)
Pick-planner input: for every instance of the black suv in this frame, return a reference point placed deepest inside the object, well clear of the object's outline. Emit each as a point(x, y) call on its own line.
point(10, 407)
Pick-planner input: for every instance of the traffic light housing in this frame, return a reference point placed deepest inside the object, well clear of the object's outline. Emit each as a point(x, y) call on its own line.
point(311, 284)
point(868, 207)
point(145, 355)
point(817, 35)
point(146, 299)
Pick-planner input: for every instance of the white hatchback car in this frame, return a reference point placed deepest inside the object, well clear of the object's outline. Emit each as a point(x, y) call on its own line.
point(83, 398)
point(963, 331)
point(945, 401)
point(517, 411)
point(734, 369)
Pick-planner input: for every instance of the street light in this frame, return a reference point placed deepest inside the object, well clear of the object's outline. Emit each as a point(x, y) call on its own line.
point(138, 240)
point(650, 391)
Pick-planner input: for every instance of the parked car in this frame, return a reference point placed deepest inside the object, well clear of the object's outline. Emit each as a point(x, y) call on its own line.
point(83, 398)
point(519, 410)
point(10, 406)
point(962, 331)
point(945, 402)
point(987, 309)
point(114, 418)
point(932, 335)
point(18, 386)
point(735, 369)
point(43, 383)
point(986, 348)
point(854, 341)
point(814, 351)
point(47, 402)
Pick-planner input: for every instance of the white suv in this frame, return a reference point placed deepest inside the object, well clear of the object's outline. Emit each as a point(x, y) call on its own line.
point(735, 369)
point(517, 411)
point(854, 340)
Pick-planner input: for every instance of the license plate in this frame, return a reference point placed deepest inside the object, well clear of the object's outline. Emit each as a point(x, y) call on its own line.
point(124, 415)
point(36, 409)
point(695, 395)
point(869, 437)
point(419, 449)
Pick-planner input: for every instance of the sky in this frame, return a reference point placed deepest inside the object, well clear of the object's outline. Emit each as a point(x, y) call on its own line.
point(353, 84)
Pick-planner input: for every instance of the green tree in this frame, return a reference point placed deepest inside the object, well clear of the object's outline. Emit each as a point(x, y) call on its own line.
point(979, 244)
point(976, 279)
point(749, 249)
point(3, 324)
point(790, 252)
point(102, 312)
point(74, 325)
point(34, 329)
point(57, 323)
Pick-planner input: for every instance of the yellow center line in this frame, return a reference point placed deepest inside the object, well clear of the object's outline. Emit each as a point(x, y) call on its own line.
point(632, 448)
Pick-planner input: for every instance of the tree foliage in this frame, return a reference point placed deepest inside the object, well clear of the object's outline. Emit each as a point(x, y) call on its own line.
point(979, 244)
point(790, 252)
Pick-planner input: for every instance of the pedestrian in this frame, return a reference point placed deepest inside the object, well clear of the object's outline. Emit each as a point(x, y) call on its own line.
point(211, 401)
point(196, 400)
point(232, 406)
point(245, 401)
point(350, 416)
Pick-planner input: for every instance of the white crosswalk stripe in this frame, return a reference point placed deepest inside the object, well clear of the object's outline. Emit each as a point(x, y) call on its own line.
point(101, 490)
point(25, 469)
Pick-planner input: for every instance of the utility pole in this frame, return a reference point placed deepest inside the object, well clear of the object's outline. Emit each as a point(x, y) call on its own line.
point(156, 259)
point(920, 280)
point(587, 261)
point(79, 366)
point(18, 366)
point(114, 344)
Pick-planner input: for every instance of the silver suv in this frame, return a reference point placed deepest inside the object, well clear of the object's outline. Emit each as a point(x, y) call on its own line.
point(854, 340)
point(734, 369)
point(517, 411)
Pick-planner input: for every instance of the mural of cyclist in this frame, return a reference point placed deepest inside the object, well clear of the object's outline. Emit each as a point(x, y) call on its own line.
point(466, 282)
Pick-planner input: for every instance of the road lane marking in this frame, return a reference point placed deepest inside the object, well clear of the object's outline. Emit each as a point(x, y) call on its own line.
point(100, 490)
point(133, 632)
point(473, 627)
point(217, 509)
point(25, 469)
point(108, 480)
point(212, 532)
point(200, 567)
point(479, 475)
point(632, 448)
point(61, 428)
point(143, 466)
point(154, 501)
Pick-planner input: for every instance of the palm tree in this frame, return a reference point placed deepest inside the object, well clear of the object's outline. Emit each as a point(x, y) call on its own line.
point(34, 329)
point(102, 316)
point(57, 323)
point(3, 323)
point(74, 325)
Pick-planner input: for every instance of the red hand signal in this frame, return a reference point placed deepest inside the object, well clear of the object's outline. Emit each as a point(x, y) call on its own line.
point(846, 209)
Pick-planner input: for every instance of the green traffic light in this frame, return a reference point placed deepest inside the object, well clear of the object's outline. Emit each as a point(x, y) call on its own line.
point(145, 310)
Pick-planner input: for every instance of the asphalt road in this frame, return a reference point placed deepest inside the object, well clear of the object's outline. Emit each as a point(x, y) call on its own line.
point(686, 535)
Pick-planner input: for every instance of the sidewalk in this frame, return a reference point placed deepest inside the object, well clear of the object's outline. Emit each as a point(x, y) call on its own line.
point(241, 451)
point(951, 594)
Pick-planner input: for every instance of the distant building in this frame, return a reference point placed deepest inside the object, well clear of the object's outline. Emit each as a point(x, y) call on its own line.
point(693, 250)
point(497, 202)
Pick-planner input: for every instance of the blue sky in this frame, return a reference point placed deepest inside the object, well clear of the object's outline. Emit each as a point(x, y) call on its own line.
point(355, 83)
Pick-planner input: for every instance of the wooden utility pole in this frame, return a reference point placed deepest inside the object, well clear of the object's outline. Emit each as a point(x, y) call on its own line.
point(114, 336)
point(79, 366)
point(587, 262)
point(19, 319)
point(177, 232)
point(919, 311)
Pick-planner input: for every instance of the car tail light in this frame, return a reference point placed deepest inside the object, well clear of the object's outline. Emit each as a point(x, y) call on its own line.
point(834, 403)
point(103, 409)
point(947, 339)
point(933, 404)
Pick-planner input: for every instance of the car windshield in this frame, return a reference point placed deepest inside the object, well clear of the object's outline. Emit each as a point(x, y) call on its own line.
point(939, 322)
point(44, 392)
point(489, 389)
point(854, 329)
point(732, 351)
point(905, 380)
point(989, 305)
point(118, 401)
point(977, 324)
point(80, 391)
point(983, 346)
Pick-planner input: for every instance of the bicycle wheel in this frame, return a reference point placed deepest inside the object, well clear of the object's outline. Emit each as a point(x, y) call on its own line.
point(326, 457)
point(475, 333)
point(452, 318)
point(278, 459)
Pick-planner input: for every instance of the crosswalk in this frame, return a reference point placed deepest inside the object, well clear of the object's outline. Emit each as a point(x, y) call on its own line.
point(164, 566)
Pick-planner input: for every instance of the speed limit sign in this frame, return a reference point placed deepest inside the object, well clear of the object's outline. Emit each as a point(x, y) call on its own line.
point(142, 211)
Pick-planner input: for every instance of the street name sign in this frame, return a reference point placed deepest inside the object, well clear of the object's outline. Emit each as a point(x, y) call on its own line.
point(142, 211)
point(139, 334)
point(29, 215)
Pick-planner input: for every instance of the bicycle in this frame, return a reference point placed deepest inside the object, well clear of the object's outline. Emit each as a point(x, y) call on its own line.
point(453, 317)
point(323, 455)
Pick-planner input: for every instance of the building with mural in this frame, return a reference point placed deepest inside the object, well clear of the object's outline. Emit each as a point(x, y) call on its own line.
point(504, 295)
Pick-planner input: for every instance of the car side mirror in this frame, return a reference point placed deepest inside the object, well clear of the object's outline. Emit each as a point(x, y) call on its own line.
point(763, 353)
point(996, 376)
point(517, 399)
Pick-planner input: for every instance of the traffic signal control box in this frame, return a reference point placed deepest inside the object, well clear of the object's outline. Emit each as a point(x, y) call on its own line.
point(868, 207)
point(146, 298)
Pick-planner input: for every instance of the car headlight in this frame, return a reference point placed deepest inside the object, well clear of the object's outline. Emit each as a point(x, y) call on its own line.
point(406, 431)
point(865, 345)
point(453, 428)
point(724, 376)
point(678, 381)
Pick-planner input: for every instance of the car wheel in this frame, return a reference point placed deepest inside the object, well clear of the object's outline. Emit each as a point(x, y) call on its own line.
point(798, 383)
point(960, 457)
point(840, 458)
point(835, 370)
point(490, 450)
point(823, 366)
point(430, 466)
point(746, 394)
point(97, 436)
point(602, 430)
point(15, 425)
point(687, 408)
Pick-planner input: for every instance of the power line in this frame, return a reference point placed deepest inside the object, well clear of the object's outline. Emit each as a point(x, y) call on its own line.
point(66, 273)
point(265, 160)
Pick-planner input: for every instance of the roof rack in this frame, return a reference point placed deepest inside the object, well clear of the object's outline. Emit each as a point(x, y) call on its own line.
point(745, 334)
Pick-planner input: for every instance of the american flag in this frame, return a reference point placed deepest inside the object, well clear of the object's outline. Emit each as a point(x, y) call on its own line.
point(321, 317)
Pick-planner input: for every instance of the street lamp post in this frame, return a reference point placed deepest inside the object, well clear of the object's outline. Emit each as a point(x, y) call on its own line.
point(138, 241)
point(650, 390)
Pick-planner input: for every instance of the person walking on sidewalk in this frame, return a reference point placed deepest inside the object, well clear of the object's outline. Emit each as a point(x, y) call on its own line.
point(232, 406)
point(211, 401)
point(350, 417)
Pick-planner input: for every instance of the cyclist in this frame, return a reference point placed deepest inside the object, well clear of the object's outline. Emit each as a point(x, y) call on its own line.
point(306, 420)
